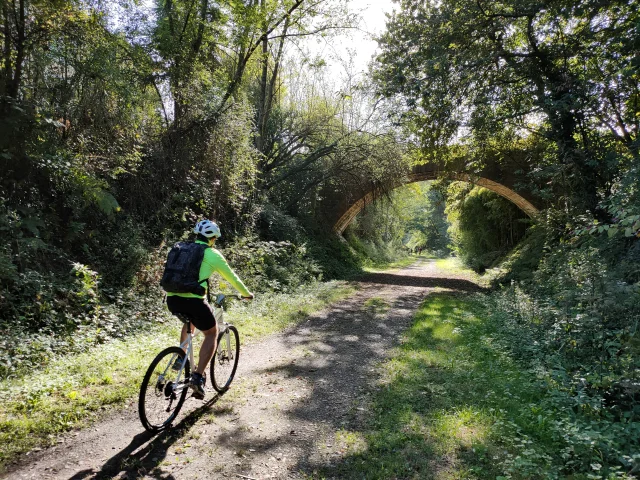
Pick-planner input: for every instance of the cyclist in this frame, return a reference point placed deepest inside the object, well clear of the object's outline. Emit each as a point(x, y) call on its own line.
point(185, 280)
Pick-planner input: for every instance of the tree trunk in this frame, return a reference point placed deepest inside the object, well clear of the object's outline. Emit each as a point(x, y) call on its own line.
point(17, 74)
point(8, 71)
point(261, 112)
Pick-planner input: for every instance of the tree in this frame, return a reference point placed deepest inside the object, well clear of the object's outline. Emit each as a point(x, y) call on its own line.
point(554, 68)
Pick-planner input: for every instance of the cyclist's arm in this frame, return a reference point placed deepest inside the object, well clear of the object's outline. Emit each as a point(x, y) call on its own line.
point(218, 264)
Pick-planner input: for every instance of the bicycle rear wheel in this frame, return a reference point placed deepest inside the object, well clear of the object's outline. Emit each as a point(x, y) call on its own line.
point(225, 361)
point(163, 390)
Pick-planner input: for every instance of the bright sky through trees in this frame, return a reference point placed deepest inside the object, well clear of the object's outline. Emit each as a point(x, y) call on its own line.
point(373, 23)
point(358, 43)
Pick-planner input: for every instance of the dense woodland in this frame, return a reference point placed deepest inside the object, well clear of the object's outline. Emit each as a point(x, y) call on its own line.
point(123, 123)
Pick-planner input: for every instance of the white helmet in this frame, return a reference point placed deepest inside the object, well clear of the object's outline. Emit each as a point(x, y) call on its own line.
point(208, 229)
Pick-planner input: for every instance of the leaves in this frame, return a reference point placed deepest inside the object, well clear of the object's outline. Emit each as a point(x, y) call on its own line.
point(107, 202)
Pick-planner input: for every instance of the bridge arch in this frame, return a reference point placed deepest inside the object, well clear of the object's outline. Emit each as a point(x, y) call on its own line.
point(420, 176)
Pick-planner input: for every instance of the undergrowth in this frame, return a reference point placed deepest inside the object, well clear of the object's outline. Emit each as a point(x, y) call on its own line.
point(53, 314)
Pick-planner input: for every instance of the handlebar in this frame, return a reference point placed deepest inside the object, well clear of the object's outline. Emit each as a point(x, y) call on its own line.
point(220, 297)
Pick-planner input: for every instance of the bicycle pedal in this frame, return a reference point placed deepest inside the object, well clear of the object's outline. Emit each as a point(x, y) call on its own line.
point(197, 396)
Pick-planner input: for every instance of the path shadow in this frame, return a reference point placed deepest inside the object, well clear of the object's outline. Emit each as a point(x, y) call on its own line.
point(146, 451)
point(459, 284)
point(344, 347)
point(424, 398)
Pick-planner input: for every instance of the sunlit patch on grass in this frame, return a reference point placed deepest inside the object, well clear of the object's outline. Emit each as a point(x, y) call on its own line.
point(455, 266)
point(350, 443)
point(401, 263)
point(463, 427)
point(451, 264)
point(449, 404)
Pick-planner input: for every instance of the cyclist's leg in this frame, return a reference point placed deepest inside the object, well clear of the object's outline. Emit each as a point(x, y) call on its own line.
point(204, 321)
point(207, 349)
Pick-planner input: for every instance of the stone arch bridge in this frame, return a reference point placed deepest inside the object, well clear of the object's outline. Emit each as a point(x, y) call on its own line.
point(500, 180)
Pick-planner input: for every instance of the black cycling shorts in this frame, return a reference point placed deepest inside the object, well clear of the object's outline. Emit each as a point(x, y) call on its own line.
point(196, 308)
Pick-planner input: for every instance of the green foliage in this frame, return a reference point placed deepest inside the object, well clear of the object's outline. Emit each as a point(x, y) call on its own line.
point(551, 89)
point(121, 130)
point(411, 219)
point(457, 393)
point(278, 226)
point(569, 311)
point(335, 256)
point(272, 266)
point(375, 254)
point(484, 226)
point(581, 344)
point(427, 227)
point(476, 71)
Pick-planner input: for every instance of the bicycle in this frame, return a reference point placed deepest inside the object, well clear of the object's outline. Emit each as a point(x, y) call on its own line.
point(166, 382)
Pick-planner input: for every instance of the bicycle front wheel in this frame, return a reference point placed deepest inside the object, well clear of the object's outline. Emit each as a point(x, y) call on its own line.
point(164, 389)
point(225, 361)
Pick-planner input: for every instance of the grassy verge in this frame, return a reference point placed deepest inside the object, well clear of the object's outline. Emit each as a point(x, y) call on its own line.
point(74, 389)
point(400, 263)
point(454, 404)
point(455, 266)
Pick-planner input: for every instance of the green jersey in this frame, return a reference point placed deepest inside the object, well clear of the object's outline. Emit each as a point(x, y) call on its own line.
point(214, 262)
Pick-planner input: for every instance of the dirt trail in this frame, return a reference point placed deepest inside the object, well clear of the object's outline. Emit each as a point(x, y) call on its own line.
point(292, 393)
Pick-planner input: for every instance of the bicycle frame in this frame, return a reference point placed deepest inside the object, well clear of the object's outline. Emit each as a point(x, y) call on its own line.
point(187, 345)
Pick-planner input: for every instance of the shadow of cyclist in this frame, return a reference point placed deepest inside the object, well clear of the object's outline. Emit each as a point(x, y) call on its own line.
point(146, 450)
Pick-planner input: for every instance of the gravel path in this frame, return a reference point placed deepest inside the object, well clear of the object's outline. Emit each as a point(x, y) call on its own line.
point(293, 392)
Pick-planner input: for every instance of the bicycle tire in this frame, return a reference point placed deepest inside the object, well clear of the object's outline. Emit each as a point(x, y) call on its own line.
point(160, 397)
point(224, 363)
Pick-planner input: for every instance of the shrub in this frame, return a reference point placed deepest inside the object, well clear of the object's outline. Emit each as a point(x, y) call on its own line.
point(484, 226)
point(571, 312)
point(334, 256)
point(272, 266)
point(278, 226)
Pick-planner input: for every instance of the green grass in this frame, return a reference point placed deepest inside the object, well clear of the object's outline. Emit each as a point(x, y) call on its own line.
point(376, 306)
point(455, 266)
point(451, 405)
point(400, 263)
point(73, 390)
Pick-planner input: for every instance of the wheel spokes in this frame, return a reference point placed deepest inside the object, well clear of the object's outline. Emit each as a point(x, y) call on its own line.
point(163, 392)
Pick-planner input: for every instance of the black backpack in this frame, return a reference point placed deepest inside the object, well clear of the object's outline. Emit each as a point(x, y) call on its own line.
point(182, 270)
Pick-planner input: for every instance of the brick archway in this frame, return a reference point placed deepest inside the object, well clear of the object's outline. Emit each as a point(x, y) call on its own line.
point(420, 176)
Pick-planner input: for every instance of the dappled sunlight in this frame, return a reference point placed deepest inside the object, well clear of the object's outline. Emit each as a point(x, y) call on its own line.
point(350, 442)
point(463, 427)
point(433, 412)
